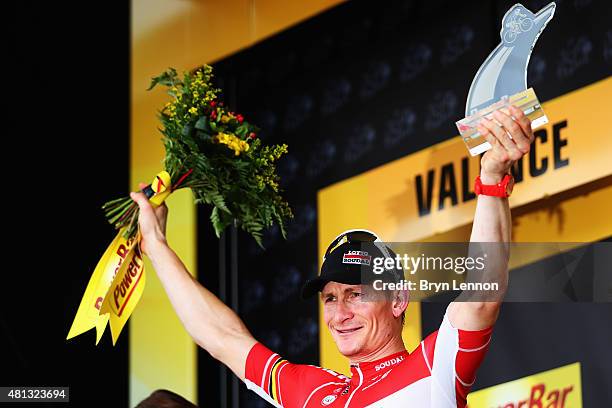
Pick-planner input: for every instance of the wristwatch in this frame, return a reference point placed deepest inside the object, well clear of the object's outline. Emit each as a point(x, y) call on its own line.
point(501, 189)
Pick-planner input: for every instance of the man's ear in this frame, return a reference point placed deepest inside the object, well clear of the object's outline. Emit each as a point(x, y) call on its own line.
point(400, 302)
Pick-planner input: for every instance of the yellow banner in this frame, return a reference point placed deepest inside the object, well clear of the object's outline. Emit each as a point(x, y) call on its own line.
point(557, 388)
point(118, 281)
point(125, 291)
point(88, 315)
point(431, 191)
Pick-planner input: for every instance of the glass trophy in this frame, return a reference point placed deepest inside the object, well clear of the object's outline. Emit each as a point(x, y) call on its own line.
point(502, 78)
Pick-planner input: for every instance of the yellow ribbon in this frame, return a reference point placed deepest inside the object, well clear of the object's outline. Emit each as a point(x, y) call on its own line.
point(118, 281)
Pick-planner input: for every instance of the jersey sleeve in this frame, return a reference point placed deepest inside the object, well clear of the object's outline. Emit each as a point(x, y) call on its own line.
point(281, 383)
point(453, 356)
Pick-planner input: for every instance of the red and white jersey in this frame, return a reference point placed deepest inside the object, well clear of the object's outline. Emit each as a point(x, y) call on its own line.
point(438, 373)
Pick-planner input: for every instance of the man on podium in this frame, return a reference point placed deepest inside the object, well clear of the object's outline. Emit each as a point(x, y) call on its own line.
point(438, 373)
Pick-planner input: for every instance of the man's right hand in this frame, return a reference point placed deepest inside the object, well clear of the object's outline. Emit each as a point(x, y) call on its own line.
point(152, 222)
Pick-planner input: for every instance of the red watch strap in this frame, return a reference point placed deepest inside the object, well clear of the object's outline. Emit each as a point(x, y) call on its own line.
point(495, 190)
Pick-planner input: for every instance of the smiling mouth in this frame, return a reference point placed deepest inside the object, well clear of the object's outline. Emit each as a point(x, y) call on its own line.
point(348, 331)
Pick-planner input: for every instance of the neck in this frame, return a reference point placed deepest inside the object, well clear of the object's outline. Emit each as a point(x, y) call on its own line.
point(394, 345)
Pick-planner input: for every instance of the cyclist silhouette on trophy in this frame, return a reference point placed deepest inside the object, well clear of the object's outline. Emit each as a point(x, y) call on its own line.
point(504, 72)
point(516, 23)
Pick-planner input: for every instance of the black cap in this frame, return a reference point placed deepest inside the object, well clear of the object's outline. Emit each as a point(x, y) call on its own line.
point(352, 264)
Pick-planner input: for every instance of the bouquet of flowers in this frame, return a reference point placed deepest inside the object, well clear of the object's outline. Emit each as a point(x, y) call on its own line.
point(217, 154)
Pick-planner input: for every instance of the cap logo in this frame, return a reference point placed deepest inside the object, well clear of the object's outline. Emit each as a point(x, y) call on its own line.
point(356, 257)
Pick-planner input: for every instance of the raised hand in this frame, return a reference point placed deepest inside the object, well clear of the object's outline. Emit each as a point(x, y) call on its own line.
point(152, 222)
point(510, 141)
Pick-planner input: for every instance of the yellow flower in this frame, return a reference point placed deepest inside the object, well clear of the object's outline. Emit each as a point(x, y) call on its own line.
point(193, 110)
point(232, 142)
point(226, 118)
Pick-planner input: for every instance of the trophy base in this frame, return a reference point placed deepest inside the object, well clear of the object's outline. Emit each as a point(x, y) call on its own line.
point(526, 100)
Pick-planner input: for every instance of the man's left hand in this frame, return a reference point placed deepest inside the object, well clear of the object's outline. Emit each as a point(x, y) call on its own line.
point(510, 141)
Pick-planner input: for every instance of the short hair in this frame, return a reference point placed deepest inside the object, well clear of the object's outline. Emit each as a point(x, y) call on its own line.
point(165, 399)
point(390, 295)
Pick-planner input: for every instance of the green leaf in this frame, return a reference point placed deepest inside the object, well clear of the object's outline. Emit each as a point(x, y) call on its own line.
point(166, 78)
point(203, 135)
point(202, 124)
point(215, 198)
point(241, 131)
point(187, 129)
point(216, 221)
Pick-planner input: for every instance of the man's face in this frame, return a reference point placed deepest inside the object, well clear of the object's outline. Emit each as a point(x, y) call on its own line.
point(359, 326)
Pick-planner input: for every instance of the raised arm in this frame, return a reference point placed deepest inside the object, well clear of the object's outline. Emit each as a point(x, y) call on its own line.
point(211, 324)
point(492, 221)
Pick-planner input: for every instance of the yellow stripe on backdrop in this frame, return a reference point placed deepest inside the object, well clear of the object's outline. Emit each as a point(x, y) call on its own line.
point(559, 387)
point(562, 201)
point(184, 35)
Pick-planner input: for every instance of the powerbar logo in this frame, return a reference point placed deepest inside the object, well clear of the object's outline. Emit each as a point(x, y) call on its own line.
point(557, 388)
point(389, 363)
point(356, 257)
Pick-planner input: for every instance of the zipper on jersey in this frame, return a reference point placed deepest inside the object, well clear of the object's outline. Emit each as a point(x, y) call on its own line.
point(356, 388)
